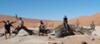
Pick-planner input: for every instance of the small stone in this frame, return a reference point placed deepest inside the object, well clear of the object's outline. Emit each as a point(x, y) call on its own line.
point(55, 43)
point(84, 42)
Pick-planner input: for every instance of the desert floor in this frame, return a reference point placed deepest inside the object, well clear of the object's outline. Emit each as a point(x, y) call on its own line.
point(24, 38)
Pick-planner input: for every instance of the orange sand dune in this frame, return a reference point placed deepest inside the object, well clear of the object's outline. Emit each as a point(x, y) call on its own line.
point(83, 20)
point(30, 22)
point(86, 20)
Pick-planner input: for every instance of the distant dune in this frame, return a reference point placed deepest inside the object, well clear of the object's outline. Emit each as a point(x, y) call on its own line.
point(83, 20)
point(86, 20)
point(30, 22)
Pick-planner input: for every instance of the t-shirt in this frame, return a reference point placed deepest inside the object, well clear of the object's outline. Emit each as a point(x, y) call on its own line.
point(20, 23)
point(42, 27)
point(7, 25)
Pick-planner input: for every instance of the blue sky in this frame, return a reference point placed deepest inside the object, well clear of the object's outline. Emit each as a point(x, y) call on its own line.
point(49, 9)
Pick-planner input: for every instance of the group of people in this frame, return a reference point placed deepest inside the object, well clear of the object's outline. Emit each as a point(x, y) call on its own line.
point(20, 25)
point(8, 25)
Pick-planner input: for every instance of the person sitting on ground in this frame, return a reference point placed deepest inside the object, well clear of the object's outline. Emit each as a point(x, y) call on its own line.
point(65, 23)
point(92, 25)
point(67, 27)
point(20, 25)
point(7, 26)
point(42, 28)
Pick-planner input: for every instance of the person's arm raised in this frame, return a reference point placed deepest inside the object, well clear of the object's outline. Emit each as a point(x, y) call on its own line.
point(13, 22)
point(2, 21)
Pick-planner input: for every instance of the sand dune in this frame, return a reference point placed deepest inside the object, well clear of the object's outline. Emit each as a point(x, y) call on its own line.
point(86, 20)
point(31, 22)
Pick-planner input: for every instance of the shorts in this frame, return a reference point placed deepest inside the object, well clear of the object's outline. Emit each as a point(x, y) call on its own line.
point(7, 30)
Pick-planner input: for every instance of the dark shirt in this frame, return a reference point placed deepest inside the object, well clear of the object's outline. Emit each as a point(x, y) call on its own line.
point(7, 25)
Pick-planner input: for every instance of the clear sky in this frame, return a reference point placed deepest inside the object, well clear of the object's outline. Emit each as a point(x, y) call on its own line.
point(49, 9)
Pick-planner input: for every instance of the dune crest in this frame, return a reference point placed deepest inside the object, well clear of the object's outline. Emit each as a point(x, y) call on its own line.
point(86, 20)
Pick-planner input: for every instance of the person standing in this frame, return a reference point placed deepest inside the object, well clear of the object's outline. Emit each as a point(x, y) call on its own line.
point(7, 26)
